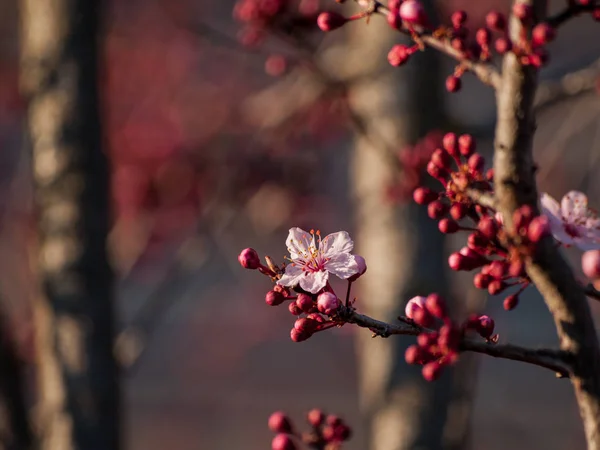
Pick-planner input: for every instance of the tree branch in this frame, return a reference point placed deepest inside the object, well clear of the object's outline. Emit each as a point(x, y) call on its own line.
point(515, 186)
point(554, 360)
point(591, 292)
point(569, 12)
point(482, 198)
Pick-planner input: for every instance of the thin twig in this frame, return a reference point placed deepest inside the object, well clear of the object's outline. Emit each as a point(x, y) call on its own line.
point(554, 360)
point(569, 12)
point(482, 198)
point(591, 292)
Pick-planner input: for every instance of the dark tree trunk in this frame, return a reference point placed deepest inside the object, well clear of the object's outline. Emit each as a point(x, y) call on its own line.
point(78, 373)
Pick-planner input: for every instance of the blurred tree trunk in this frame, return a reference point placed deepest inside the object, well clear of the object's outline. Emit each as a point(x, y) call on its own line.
point(78, 389)
point(403, 248)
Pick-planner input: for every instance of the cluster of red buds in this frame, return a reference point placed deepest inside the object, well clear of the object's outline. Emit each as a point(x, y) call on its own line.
point(500, 256)
point(413, 160)
point(327, 432)
point(438, 348)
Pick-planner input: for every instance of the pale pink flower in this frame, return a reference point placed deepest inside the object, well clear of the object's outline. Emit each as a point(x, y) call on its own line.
point(572, 222)
point(413, 305)
point(313, 259)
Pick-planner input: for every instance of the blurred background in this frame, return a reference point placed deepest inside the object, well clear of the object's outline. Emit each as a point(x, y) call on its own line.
point(224, 125)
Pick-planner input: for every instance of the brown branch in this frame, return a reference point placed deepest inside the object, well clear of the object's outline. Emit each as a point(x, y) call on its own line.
point(515, 186)
point(569, 12)
point(482, 198)
point(554, 360)
point(591, 291)
point(486, 72)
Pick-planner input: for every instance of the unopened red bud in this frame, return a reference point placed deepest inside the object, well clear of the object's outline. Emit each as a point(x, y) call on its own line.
point(486, 326)
point(542, 34)
point(413, 305)
point(333, 420)
point(476, 162)
point(426, 340)
point(432, 371)
point(469, 252)
point(249, 259)
point(328, 433)
point(523, 12)
point(457, 261)
point(503, 45)
point(590, 263)
point(436, 172)
point(394, 4)
point(293, 309)
point(299, 336)
point(328, 303)
point(305, 302)
point(274, 298)
point(283, 442)
point(449, 338)
point(422, 317)
point(466, 144)
point(482, 281)
point(483, 37)
point(522, 217)
point(316, 317)
point(329, 21)
point(441, 158)
point(450, 143)
point(539, 57)
point(279, 423)
point(488, 227)
point(414, 354)
point(489, 174)
point(510, 302)
point(498, 269)
point(496, 286)
point(477, 241)
point(436, 305)
point(413, 12)
point(342, 432)
point(361, 265)
point(393, 18)
point(437, 209)
point(458, 18)
point(453, 83)
point(424, 196)
point(398, 55)
point(495, 20)
point(516, 269)
point(304, 324)
point(458, 211)
point(448, 226)
point(458, 44)
point(315, 417)
point(538, 229)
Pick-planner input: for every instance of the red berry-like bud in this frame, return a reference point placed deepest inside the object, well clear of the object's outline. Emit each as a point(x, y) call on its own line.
point(458, 18)
point(361, 264)
point(496, 286)
point(274, 298)
point(432, 371)
point(516, 269)
point(394, 4)
point(315, 417)
point(522, 217)
point(590, 263)
point(458, 211)
point(329, 21)
point(305, 302)
point(477, 242)
point(466, 145)
point(498, 269)
point(275, 65)
point(483, 37)
point(450, 143)
point(448, 226)
point(436, 172)
point(328, 303)
point(413, 305)
point(458, 44)
point(424, 196)
point(523, 12)
point(342, 432)
point(435, 304)
point(449, 339)
point(539, 57)
point(282, 442)
point(441, 159)
point(538, 228)
point(457, 261)
point(279, 423)
point(249, 259)
point(482, 281)
point(495, 20)
point(398, 55)
point(316, 317)
point(489, 175)
point(476, 162)
point(542, 34)
point(333, 420)
point(294, 310)
point(393, 18)
point(503, 45)
point(510, 302)
point(304, 324)
point(453, 83)
point(486, 326)
point(299, 336)
point(414, 354)
point(488, 227)
point(437, 209)
point(422, 317)
point(412, 12)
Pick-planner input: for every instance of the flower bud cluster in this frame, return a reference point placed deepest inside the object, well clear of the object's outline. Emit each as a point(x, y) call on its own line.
point(326, 431)
point(439, 347)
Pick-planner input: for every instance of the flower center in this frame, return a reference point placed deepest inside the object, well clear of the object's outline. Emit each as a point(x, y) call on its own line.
point(572, 230)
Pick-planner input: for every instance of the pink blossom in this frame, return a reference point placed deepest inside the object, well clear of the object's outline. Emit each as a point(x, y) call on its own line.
point(312, 261)
point(413, 304)
point(572, 222)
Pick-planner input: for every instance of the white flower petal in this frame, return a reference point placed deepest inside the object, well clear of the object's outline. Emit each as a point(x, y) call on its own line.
point(334, 243)
point(574, 205)
point(550, 207)
point(298, 242)
point(342, 265)
point(313, 282)
point(292, 275)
